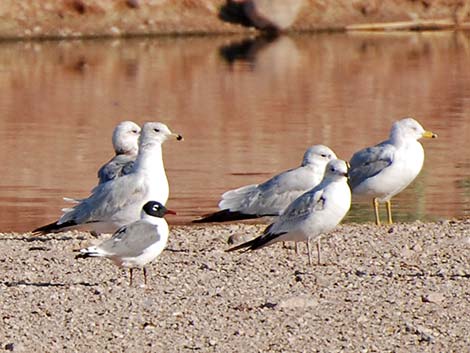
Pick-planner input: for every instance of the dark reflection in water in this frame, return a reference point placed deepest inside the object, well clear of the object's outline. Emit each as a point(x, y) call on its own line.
point(247, 108)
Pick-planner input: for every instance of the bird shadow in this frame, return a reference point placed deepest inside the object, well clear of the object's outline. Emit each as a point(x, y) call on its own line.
point(42, 238)
point(46, 284)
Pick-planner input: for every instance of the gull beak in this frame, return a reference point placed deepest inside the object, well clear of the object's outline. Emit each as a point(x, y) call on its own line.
point(346, 175)
point(170, 211)
point(429, 134)
point(177, 136)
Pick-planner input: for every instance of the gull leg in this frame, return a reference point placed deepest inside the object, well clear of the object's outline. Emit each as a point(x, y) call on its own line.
point(297, 248)
point(375, 204)
point(130, 276)
point(144, 270)
point(318, 251)
point(309, 252)
point(389, 211)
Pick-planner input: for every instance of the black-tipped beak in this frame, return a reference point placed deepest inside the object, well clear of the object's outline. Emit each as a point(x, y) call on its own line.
point(346, 175)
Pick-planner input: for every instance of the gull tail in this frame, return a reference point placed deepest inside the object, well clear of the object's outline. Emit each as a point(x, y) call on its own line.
point(225, 216)
point(54, 227)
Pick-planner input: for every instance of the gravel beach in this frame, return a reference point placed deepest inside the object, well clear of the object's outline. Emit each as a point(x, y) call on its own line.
point(400, 288)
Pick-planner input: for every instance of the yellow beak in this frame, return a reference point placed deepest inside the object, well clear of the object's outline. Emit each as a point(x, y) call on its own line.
point(177, 136)
point(429, 134)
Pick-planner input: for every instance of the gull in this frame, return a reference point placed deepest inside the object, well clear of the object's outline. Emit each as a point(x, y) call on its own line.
point(274, 195)
point(312, 214)
point(118, 202)
point(125, 143)
point(380, 172)
point(136, 244)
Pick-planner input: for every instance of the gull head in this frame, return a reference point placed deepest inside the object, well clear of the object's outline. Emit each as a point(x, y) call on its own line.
point(409, 129)
point(318, 155)
point(336, 169)
point(126, 137)
point(155, 209)
point(153, 132)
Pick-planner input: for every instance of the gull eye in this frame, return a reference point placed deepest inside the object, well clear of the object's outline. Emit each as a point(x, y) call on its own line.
point(135, 131)
point(156, 130)
point(332, 169)
point(324, 155)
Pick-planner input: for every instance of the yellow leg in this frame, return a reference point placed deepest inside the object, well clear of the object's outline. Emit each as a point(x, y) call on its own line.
point(375, 204)
point(389, 211)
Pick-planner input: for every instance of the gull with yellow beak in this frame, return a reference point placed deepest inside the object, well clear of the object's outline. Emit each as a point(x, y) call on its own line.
point(380, 172)
point(119, 202)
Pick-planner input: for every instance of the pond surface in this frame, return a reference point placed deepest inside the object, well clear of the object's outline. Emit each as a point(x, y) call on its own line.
point(248, 108)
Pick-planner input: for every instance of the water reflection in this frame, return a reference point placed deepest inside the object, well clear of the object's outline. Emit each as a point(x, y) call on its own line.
point(247, 109)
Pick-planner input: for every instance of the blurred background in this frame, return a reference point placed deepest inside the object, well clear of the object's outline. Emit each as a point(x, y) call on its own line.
point(248, 108)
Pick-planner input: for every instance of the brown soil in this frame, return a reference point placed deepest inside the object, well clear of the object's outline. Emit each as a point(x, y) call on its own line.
point(403, 289)
point(77, 18)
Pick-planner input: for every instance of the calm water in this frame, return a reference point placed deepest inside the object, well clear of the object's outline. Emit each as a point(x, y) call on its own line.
point(247, 108)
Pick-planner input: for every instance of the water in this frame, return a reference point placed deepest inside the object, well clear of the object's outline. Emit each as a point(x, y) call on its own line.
point(247, 108)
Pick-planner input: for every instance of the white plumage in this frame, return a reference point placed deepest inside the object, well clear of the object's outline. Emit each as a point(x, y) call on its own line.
point(382, 171)
point(119, 202)
point(274, 195)
point(312, 214)
point(125, 144)
point(136, 244)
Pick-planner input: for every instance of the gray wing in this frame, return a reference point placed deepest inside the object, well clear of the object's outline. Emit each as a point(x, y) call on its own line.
point(131, 240)
point(270, 197)
point(370, 161)
point(300, 209)
point(120, 165)
point(106, 200)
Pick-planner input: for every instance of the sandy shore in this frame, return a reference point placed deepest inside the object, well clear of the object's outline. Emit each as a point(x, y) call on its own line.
point(403, 288)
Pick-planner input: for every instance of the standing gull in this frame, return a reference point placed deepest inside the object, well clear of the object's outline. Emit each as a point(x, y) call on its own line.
point(273, 196)
point(125, 143)
point(135, 244)
point(312, 214)
point(382, 171)
point(119, 202)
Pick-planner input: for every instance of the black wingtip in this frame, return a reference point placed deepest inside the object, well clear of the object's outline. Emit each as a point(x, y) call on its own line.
point(225, 216)
point(249, 245)
point(53, 228)
point(82, 256)
point(258, 242)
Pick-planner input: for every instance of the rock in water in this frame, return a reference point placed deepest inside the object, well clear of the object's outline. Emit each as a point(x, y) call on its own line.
point(276, 15)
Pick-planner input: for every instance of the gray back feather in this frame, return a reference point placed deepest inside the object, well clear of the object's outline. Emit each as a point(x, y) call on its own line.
point(369, 162)
point(120, 165)
point(131, 240)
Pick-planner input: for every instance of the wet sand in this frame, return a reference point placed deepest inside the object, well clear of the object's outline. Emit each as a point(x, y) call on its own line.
point(403, 288)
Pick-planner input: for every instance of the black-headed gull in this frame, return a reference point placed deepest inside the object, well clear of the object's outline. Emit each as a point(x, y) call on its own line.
point(136, 244)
